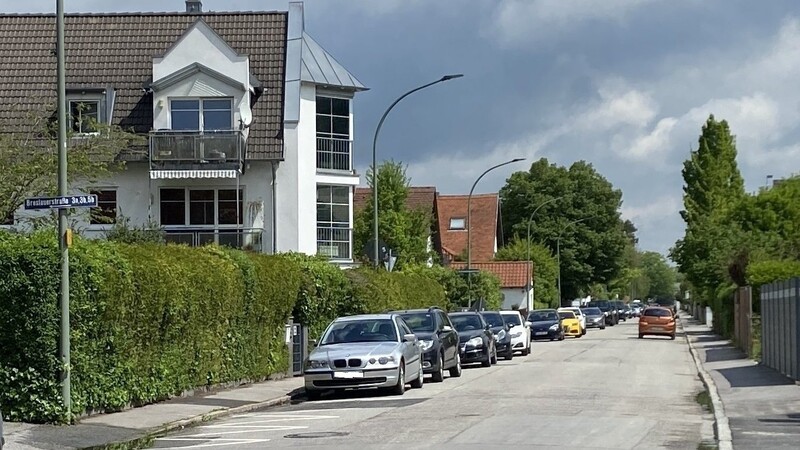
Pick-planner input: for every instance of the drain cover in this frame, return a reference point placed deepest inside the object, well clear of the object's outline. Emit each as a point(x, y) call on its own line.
point(317, 435)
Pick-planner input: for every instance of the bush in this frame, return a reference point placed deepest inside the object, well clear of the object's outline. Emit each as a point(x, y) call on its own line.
point(148, 322)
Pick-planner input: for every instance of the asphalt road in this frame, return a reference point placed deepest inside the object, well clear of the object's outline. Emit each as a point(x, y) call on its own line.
point(608, 389)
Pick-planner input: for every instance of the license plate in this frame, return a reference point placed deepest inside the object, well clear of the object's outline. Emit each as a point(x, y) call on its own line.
point(656, 328)
point(541, 333)
point(348, 375)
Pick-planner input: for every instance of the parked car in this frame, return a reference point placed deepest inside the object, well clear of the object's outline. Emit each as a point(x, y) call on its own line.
point(620, 307)
point(636, 309)
point(595, 318)
point(657, 320)
point(545, 324)
point(365, 351)
point(475, 339)
point(520, 332)
point(502, 333)
point(570, 324)
point(438, 339)
point(579, 315)
point(612, 318)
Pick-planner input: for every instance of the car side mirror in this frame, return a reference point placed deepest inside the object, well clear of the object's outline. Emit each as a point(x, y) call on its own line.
point(409, 338)
point(447, 328)
point(528, 323)
point(314, 342)
point(487, 328)
point(512, 325)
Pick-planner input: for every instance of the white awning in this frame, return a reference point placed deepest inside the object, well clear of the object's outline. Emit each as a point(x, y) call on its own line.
point(178, 174)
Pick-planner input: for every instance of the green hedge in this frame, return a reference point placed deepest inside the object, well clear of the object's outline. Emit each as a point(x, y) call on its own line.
point(148, 322)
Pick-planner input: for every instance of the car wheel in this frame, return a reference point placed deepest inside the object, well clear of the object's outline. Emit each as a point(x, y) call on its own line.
point(561, 336)
point(509, 353)
point(672, 336)
point(603, 327)
point(313, 394)
point(455, 371)
point(583, 332)
point(400, 387)
point(641, 336)
point(417, 383)
point(438, 376)
point(488, 360)
point(494, 354)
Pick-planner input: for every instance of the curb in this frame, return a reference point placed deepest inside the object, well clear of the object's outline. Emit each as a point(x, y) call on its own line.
point(156, 432)
point(722, 426)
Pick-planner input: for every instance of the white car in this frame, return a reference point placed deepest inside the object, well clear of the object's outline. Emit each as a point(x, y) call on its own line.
point(520, 331)
point(579, 315)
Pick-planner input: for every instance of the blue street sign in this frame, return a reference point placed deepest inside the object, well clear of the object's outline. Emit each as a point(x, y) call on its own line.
point(69, 201)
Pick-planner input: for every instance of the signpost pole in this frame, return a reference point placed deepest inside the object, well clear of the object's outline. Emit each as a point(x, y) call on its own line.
point(62, 212)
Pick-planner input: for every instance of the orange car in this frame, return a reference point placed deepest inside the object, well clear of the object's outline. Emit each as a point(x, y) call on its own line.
point(657, 320)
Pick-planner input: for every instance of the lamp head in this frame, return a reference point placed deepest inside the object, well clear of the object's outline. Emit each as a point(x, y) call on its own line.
point(451, 77)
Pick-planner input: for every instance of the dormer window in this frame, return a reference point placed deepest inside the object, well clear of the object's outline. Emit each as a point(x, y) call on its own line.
point(202, 114)
point(458, 223)
point(84, 116)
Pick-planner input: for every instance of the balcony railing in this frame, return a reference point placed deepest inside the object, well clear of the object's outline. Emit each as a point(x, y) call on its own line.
point(197, 149)
point(246, 239)
point(335, 243)
point(334, 154)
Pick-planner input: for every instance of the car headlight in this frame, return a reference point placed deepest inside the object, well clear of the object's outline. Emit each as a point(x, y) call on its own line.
point(517, 334)
point(475, 342)
point(605, 313)
point(315, 364)
point(501, 335)
point(554, 327)
point(425, 345)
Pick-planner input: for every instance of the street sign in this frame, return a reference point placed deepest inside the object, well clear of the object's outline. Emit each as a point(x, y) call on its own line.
point(69, 201)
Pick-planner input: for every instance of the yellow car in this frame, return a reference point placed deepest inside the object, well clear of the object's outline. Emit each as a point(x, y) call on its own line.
point(570, 324)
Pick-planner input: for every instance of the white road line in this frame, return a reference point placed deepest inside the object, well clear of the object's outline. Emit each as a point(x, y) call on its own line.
point(264, 421)
point(217, 443)
point(247, 425)
point(288, 416)
point(249, 430)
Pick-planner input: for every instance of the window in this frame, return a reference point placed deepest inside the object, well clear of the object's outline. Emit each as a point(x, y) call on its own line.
point(84, 116)
point(106, 211)
point(202, 114)
point(207, 207)
point(458, 224)
point(333, 221)
point(333, 118)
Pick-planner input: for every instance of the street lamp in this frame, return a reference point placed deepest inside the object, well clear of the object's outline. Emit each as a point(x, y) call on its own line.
point(558, 252)
point(528, 260)
point(469, 219)
point(374, 156)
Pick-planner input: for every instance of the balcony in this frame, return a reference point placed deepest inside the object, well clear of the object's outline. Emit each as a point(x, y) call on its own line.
point(334, 154)
point(197, 150)
point(335, 243)
point(245, 239)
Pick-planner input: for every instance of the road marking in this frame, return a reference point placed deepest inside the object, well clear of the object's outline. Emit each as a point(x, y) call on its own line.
point(248, 430)
point(216, 443)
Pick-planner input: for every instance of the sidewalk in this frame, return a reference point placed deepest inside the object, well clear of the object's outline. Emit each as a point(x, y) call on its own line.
point(139, 424)
point(761, 406)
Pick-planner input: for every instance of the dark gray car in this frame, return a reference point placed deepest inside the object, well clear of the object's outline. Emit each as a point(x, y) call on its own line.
point(595, 318)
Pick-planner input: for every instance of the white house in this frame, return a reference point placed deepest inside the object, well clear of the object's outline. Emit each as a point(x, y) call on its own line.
point(249, 122)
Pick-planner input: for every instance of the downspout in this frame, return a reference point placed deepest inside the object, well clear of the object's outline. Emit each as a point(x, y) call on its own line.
point(273, 165)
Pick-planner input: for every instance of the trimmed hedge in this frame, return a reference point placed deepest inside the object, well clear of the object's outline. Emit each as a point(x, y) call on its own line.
point(148, 322)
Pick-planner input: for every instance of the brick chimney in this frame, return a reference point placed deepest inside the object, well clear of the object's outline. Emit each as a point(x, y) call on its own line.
point(194, 6)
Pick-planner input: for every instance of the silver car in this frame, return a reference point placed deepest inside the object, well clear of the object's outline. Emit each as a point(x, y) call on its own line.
point(366, 351)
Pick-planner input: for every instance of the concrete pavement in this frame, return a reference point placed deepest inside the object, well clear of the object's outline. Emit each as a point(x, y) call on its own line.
point(608, 389)
point(138, 424)
point(762, 407)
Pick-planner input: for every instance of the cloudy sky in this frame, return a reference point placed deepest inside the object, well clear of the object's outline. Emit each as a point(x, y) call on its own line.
point(623, 84)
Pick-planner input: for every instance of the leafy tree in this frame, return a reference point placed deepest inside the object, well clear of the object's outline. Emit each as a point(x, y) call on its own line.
point(660, 275)
point(712, 185)
point(545, 269)
point(577, 210)
point(29, 158)
point(405, 231)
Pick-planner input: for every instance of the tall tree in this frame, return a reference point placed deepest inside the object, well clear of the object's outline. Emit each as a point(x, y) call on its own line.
point(712, 185)
point(29, 157)
point(661, 276)
point(545, 270)
point(577, 210)
point(405, 231)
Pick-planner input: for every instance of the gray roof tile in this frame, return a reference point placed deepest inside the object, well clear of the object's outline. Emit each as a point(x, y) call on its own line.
point(118, 49)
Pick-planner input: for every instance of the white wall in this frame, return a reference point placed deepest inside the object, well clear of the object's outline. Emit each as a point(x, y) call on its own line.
point(515, 296)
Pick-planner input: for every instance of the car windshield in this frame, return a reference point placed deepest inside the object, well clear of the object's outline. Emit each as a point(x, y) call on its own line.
point(592, 311)
point(419, 321)
point(494, 319)
point(542, 316)
point(513, 318)
point(366, 330)
point(466, 322)
point(599, 304)
point(566, 314)
point(657, 312)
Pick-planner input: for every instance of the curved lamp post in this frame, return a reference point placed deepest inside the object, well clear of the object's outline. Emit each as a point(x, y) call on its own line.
point(528, 242)
point(374, 156)
point(558, 252)
point(469, 218)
